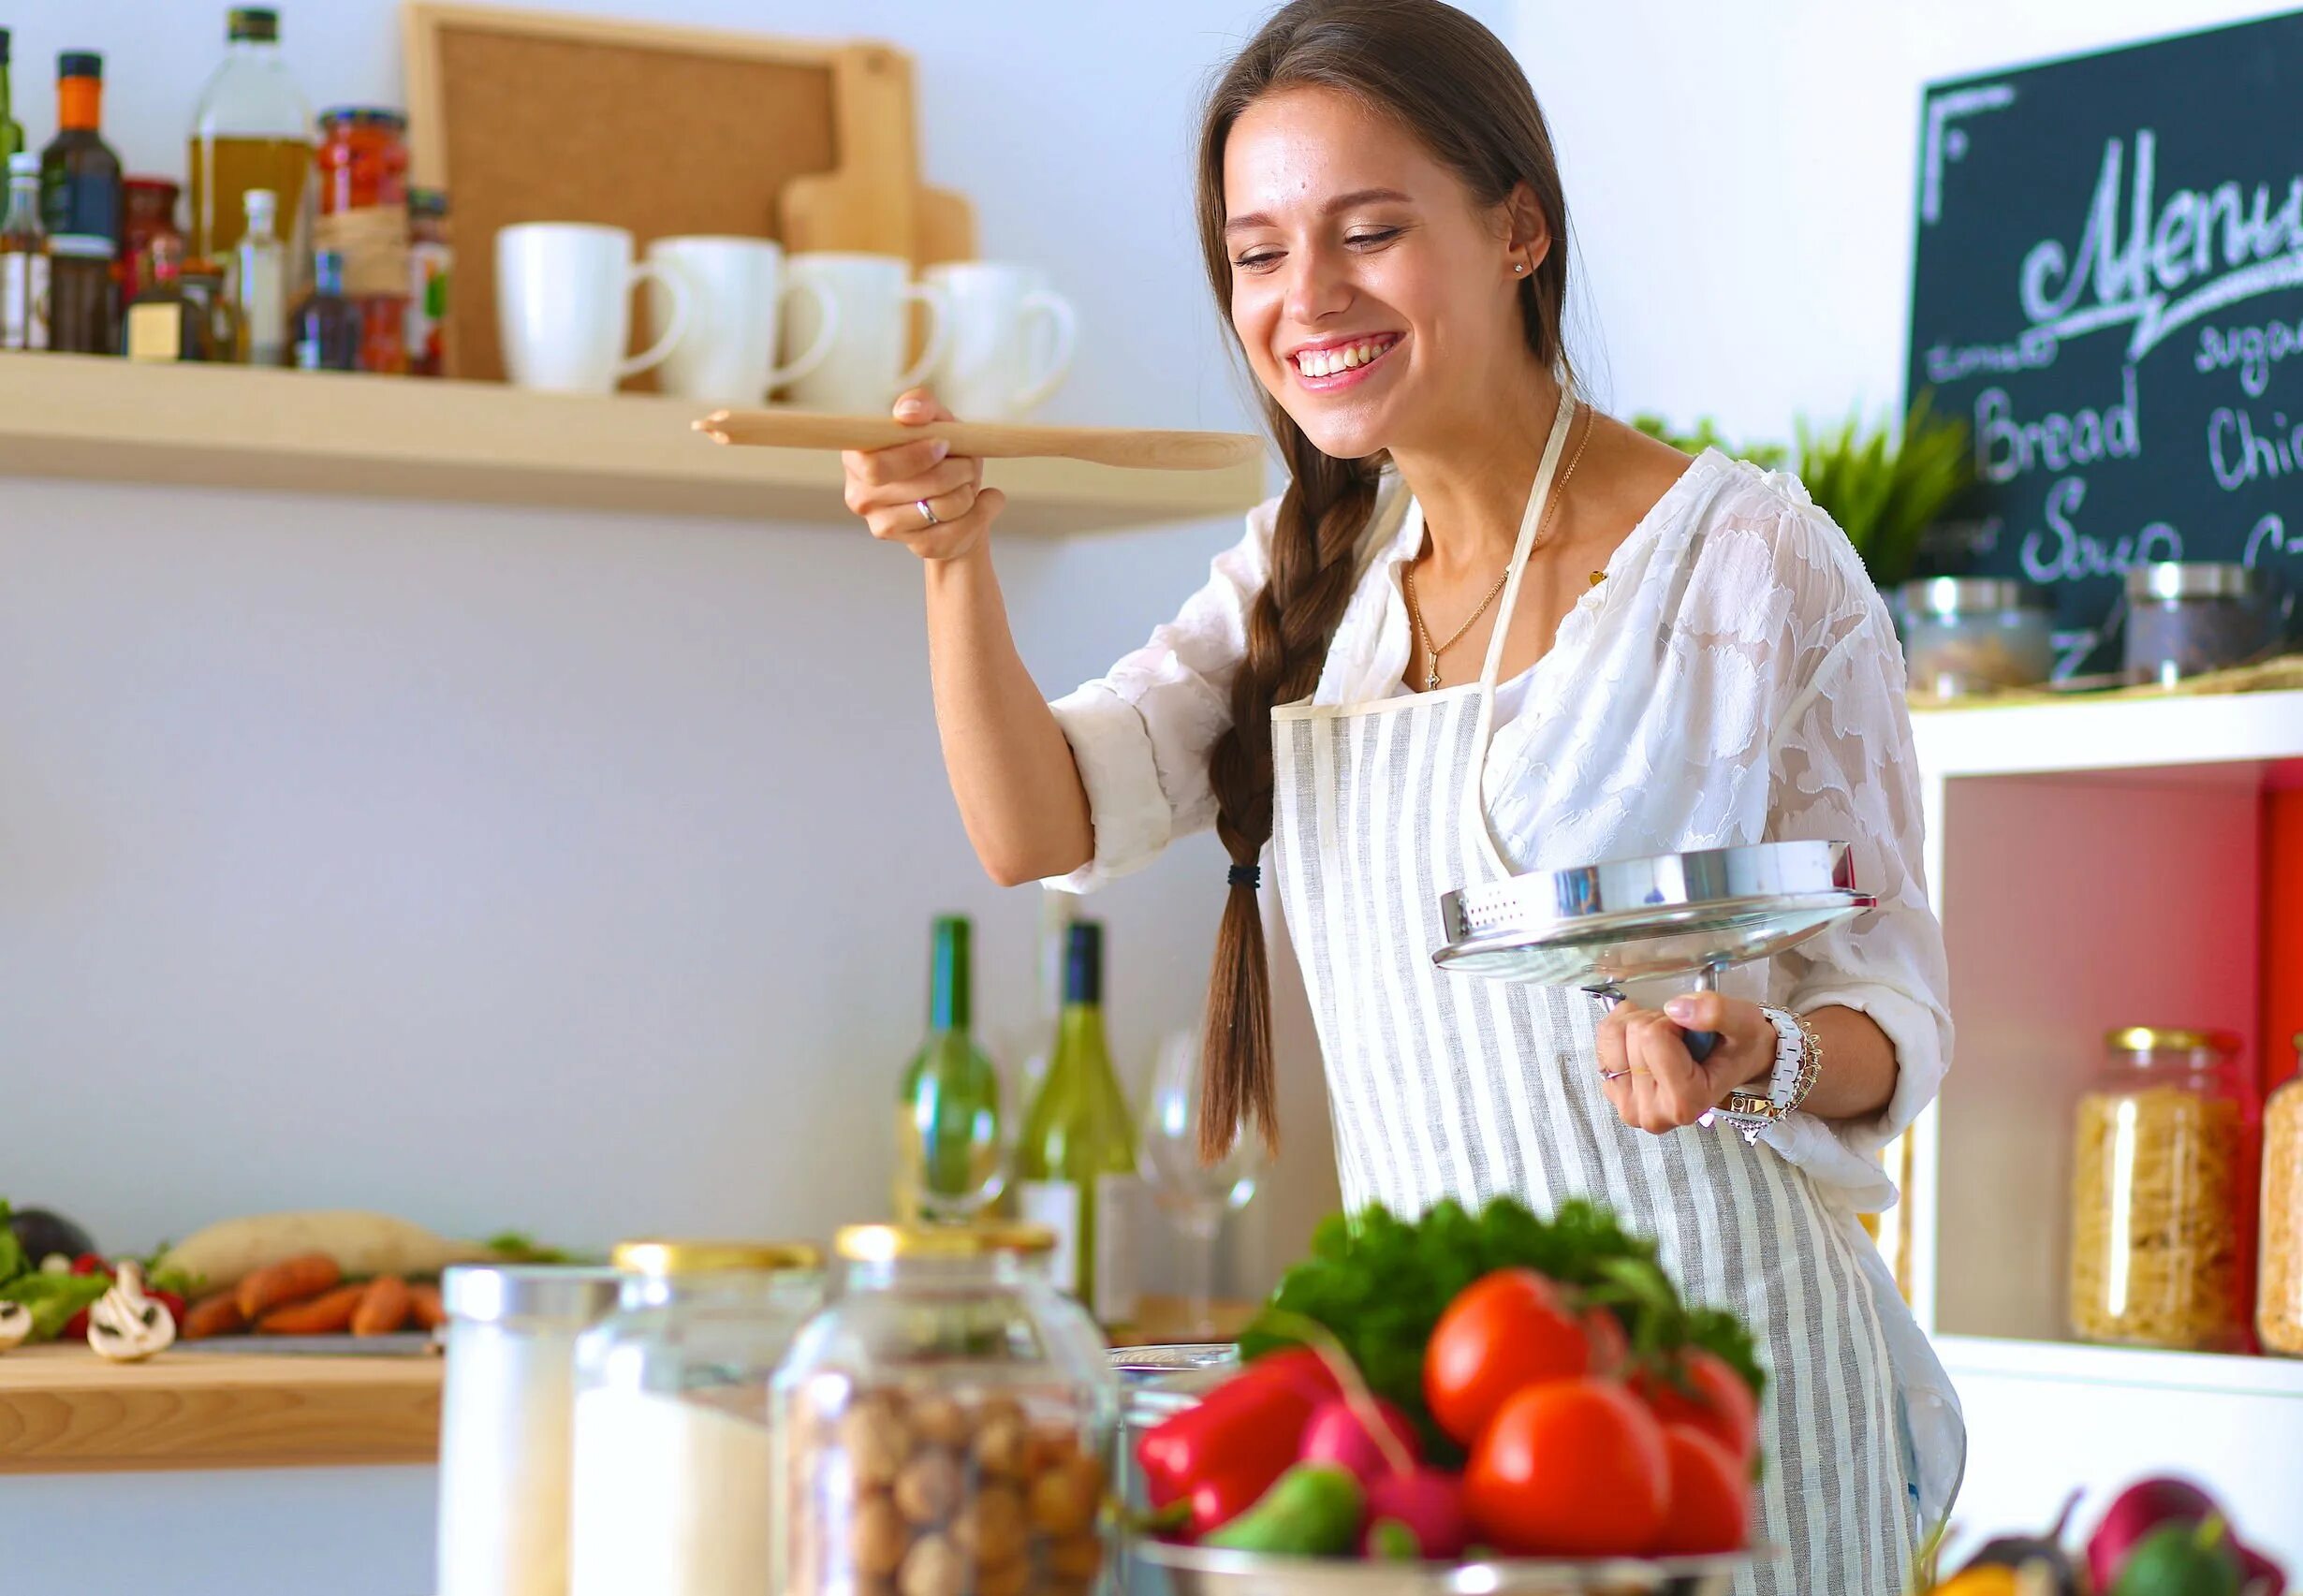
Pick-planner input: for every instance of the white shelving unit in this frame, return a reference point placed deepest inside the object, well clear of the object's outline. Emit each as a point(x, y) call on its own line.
point(2095, 865)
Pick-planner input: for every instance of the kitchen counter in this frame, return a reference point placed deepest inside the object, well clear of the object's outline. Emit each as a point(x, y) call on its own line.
point(65, 1411)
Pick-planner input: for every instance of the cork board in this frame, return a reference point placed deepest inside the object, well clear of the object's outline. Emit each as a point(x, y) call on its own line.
point(533, 116)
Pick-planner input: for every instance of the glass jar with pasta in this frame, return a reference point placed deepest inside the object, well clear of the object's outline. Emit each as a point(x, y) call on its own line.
point(2155, 1170)
point(2278, 1294)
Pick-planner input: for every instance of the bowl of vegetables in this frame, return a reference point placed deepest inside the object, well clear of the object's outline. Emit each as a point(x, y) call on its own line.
point(1487, 1402)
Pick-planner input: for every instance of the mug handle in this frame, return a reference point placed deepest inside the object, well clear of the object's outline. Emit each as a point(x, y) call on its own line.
point(674, 285)
point(1058, 310)
point(826, 332)
point(939, 332)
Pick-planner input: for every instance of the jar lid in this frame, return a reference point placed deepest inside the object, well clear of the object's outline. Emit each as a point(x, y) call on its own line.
point(879, 1243)
point(252, 24)
point(81, 64)
point(427, 202)
point(661, 1258)
point(1966, 595)
point(364, 116)
point(2170, 581)
point(166, 186)
point(2163, 1039)
point(490, 1293)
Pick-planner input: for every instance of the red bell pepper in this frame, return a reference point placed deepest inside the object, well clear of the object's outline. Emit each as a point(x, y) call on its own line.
point(1219, 1499)
point(1246, 1431)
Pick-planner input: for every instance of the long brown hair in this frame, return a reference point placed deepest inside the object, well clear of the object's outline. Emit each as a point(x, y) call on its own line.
point(1452, 84)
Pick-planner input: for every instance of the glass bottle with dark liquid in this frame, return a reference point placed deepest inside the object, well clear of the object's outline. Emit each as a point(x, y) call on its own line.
point(79, 201)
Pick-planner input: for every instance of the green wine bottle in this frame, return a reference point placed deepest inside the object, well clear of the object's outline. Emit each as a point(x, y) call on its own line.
point(947, 1116)
point(1075, 1159)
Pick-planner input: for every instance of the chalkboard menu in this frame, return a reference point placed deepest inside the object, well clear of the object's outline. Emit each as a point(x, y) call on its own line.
point(2110, 288)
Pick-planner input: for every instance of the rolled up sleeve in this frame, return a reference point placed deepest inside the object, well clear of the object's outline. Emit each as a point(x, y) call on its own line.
point(1141, 734)
point(1842, 769)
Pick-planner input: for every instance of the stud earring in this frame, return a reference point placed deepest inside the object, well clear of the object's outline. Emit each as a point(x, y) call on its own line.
point(1519, 267)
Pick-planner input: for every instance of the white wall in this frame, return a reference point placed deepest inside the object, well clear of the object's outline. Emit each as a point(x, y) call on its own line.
point(564, 871)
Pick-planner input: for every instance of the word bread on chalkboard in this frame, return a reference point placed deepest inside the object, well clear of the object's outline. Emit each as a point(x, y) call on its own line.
point(2108, 284)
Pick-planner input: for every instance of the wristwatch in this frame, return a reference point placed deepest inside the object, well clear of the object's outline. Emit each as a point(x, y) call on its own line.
point(1799, 1059)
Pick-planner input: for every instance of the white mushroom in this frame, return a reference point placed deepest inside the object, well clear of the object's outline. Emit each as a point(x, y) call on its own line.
point(15, 1324)
point(125, 1325)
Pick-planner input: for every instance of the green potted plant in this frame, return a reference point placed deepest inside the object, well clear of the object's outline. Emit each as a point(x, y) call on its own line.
point(1885, 493)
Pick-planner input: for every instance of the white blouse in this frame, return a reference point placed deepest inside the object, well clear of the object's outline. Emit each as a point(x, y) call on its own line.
point(1734, 679)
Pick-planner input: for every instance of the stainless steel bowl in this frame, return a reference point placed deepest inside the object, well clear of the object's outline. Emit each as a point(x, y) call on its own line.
point(1196, 1571)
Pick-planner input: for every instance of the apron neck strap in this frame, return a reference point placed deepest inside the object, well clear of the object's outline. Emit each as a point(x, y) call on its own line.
point(1530, 522)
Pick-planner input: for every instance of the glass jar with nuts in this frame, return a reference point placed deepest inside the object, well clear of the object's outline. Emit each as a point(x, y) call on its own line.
point(944, 1428)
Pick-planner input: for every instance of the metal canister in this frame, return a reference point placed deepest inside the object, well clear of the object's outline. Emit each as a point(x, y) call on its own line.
point(2187, 620)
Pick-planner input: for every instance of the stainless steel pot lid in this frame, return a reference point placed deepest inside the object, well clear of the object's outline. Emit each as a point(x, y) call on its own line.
point(1643, 919)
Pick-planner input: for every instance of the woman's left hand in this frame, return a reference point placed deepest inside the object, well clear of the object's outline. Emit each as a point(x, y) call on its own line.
point(1645, 1069)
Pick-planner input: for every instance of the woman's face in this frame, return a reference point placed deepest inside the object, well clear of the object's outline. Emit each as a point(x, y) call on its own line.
point(1374, 299)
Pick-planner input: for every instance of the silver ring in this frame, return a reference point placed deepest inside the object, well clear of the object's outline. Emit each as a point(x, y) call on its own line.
point(927, 512)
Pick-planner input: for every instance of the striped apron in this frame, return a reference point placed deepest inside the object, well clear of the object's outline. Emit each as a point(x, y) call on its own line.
point(1455, 1086)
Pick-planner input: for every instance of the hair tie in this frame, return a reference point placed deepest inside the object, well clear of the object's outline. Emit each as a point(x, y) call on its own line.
point(1249, 876)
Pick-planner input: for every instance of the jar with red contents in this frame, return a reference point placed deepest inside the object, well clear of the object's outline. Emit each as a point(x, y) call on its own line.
point(149, 207)
point(363, 216)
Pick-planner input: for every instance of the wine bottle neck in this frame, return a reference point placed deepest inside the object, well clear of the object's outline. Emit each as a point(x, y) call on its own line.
point(950, 1002)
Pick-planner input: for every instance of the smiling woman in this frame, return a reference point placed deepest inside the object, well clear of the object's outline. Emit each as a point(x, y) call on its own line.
point(1485, 630)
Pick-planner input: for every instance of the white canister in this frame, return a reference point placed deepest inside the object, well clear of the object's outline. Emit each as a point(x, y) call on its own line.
point(505, 1417)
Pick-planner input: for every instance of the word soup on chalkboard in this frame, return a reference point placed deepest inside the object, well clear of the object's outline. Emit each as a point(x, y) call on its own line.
point(2109, 287)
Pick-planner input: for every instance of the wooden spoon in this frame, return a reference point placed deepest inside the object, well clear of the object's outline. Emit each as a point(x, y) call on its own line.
point(1125, 446)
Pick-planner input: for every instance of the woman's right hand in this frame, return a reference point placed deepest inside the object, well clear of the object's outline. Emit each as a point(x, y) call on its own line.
point(888, 485)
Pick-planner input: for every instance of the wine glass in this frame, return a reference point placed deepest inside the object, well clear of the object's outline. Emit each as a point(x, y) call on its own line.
point(1195, 1196)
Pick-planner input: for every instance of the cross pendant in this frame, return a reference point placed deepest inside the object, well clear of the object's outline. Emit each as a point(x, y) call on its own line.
point(1430, 678)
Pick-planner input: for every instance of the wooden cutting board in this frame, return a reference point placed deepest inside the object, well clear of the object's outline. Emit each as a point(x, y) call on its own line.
point(1127, 448)
point(872, 200)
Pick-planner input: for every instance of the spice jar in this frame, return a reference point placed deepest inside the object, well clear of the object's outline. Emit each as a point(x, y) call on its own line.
point(149, 209)
point(944, 1427)
point(1969, 634)
point(2154, 1251)
point(2187, 620)
point(673, 1461)
point(504, 1424)
point(363, 216)
point(2278, 1285)
point(432, 259)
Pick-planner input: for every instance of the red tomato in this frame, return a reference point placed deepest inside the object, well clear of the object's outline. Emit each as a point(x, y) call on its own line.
point(169, 1300)
point(1610, 1347)
point(75, 1327)
point(1715, 1401)
point(90, 1264)
point(1574, 1467)
point(1504, 1332)
point(1711, 1509)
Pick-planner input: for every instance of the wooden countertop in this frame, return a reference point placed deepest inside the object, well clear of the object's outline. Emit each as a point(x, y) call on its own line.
point(65, 1411)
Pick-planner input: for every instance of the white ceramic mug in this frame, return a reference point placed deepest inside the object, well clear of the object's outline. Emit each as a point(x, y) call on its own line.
point(736, 289)
point(564, 306)
point(865, 369)
point(994, 368)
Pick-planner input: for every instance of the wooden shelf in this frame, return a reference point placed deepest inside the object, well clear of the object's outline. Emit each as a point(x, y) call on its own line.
point(65, 1411)
point(89, 418)
point(2148, 736)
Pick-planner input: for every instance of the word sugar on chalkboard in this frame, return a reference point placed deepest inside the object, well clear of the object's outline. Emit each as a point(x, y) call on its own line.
point(2109, 287)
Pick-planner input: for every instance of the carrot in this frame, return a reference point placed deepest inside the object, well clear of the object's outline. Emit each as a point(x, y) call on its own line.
point(424, 1310)
point(216, 1315)
point(384, 1308)
point(323, 1315)
point(292, 1279)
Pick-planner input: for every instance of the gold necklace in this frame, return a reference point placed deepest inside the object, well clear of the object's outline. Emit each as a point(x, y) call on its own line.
point(1415, 612)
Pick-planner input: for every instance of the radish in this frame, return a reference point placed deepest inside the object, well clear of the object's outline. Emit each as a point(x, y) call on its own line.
point(1428, 1504)
point(2261, 1576)
point(1336, 1434)
point(2138, 1510)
